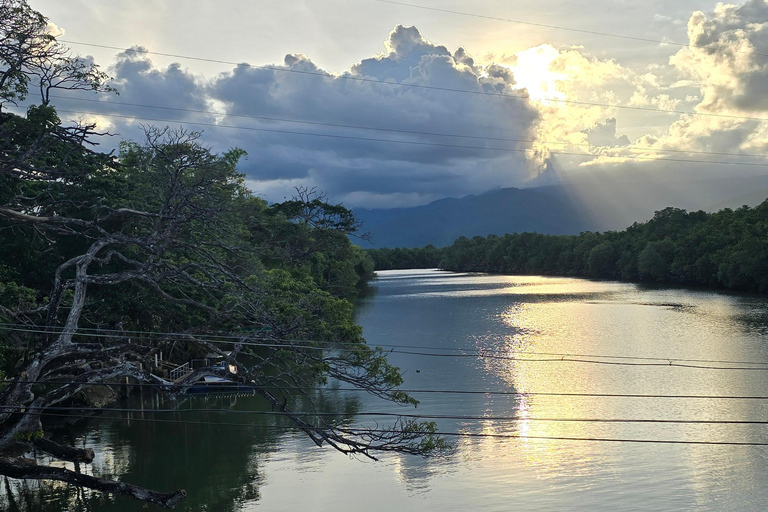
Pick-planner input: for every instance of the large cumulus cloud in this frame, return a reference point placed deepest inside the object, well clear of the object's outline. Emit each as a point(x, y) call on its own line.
point(172, 96)
point(728, 56)
point(418, 166)
point(415, 140)
point(727, 62)
point(392, 130)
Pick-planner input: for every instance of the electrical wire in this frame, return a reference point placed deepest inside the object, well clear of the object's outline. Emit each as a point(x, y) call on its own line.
point(429, 433)
point(456, 417)
point(559, 27)
point(235, 338)
point(421, 86)
point(556, 357)
point(562, 359)
point(416, 391)
point(402, 131)
point(411, 143)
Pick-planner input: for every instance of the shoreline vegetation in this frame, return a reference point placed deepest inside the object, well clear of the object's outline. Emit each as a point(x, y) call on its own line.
point(111, 264)
point(727, 249)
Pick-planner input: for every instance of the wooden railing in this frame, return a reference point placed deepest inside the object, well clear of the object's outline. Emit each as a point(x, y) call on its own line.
point(180, 372)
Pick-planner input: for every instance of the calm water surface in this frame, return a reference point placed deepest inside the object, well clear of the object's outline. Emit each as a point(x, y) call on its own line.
point(242, 462)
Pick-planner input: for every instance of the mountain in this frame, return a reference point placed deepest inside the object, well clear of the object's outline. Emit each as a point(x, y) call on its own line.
point(613, 201)
point(439, 223)
point(598, 202)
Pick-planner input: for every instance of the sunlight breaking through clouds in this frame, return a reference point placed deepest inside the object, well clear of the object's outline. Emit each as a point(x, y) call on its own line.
point(588, 110)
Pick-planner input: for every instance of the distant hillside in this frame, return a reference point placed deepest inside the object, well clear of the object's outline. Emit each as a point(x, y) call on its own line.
point(508, 210)
point(598, 202)
point(615, 201)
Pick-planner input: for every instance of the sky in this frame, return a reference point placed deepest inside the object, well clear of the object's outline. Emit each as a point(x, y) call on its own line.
point(384, 103)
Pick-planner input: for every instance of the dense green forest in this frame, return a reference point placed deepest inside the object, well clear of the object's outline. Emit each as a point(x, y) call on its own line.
point(290, 250)
point(727, 249)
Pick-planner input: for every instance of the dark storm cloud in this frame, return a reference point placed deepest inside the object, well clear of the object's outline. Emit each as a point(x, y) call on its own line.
point(350, 168)
point(411, 167)
point(140, 86)
point(139, 82)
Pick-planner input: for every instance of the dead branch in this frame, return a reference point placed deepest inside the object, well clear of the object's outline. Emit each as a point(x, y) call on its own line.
point(27, 469)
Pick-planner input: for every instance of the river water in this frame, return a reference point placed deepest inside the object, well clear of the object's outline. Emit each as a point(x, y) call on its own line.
point(536, 351)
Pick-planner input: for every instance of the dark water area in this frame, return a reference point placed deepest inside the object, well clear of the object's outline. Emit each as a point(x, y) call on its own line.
point(528, 345)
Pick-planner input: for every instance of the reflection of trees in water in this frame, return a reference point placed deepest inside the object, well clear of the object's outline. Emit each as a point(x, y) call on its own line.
point(753, 315)
point(216, 463)
point(364, 300)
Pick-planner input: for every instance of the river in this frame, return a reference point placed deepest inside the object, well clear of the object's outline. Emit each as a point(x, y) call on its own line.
point(535, 351)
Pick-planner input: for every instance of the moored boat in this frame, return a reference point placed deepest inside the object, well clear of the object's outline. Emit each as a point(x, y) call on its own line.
point(218, 385)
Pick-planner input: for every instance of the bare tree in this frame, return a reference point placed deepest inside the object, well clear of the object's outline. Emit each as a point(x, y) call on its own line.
point(172, 221)
point(178, 237)
point(39, 146)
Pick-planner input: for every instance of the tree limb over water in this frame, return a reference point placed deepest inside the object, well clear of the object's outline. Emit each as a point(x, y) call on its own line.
point(163, 239)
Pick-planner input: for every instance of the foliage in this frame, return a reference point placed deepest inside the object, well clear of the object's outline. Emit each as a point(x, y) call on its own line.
point(30, 436)
point(164, 238)
point(725, 249)
point(403, 257)
point(309, 234)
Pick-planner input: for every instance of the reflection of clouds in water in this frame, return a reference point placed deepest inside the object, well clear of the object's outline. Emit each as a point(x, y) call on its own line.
point(415, 474)
point(394, 275)
point(576, 316)
point(573, 316)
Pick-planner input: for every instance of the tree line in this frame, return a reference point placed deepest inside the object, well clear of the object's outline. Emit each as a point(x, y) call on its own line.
point(108, 260)
point(725, 249)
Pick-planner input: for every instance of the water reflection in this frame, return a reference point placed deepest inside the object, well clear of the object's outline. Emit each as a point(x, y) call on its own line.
point(526, 316)
point(263, 466)
point(210, 446)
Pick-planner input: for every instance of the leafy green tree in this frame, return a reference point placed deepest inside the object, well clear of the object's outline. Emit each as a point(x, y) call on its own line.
point(726, 248)
point(164, 238)
point(176, 242)
point(602, 260)
point(651, 264)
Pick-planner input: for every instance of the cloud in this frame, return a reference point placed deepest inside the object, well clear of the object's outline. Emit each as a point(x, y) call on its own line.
point(391, 130)
point(360, 137)
point(727, 55)
point(588, 87)
point(604, 135)
point(180, 96)
point(54, 30)
point(414, 166)
point(139, 82)
point(726, 63)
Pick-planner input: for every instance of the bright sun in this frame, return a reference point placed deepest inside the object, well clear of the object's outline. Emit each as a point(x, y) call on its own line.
point(532, 72)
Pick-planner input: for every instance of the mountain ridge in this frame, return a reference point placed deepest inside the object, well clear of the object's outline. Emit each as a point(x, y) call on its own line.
point(497, 211)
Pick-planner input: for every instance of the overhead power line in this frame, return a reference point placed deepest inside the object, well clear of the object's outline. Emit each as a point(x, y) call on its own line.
point(425, 432)
point(410, 142)
point(560, 27)
point(623, 360)
point(405, 132)
point(416, 391)
point(421, 86)
point(234, 338)
point(378, 414)
point(522, 357)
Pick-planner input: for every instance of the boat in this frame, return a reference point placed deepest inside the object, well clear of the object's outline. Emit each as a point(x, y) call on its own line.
point(218, 385)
